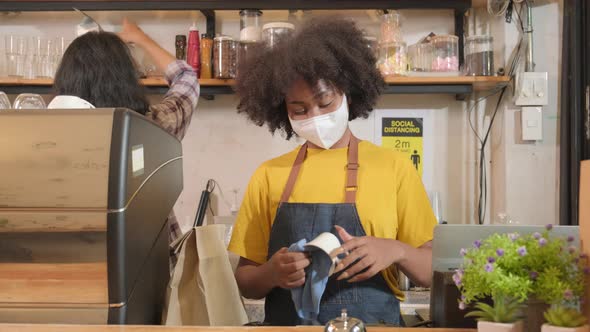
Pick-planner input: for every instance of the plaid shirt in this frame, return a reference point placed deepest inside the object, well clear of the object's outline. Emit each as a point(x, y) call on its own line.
point(174, 115)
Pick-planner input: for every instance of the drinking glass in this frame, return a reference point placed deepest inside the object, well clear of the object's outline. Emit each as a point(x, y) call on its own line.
point(4, 101)
point(40, 57)
point(61, 45)
point(29, 101)
point(14, 47)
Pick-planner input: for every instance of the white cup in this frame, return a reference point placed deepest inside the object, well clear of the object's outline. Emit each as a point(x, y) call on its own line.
point(328, 243)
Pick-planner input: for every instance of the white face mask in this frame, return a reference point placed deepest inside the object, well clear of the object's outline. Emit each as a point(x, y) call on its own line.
point(326, 129)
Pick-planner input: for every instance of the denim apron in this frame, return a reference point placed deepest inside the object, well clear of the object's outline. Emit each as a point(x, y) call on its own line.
point(371, 300)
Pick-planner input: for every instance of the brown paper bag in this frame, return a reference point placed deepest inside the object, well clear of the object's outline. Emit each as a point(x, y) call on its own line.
point(203, 290)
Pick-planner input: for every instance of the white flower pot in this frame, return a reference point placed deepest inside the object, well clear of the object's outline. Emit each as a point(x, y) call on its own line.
point(551, 328)
point(498, 327)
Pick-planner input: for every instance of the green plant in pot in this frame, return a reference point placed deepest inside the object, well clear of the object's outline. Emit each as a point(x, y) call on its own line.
point(561, 318)
point(514, 269)
point(504, 315)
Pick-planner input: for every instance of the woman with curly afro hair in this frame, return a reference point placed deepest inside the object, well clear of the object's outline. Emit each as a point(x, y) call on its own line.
point(369, 197)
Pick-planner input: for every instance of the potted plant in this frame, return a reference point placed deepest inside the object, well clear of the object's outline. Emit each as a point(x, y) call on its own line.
point(503, 316)
point(565, 319)
point(521, 269)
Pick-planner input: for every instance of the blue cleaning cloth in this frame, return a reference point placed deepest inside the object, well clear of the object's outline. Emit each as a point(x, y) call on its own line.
point(307, 297)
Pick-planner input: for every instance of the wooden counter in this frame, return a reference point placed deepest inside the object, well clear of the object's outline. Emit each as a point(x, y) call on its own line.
point(130, 328)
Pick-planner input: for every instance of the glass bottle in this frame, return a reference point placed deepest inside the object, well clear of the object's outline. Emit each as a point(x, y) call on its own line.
point(391, 28)
point(180, 42)
point(206, 55)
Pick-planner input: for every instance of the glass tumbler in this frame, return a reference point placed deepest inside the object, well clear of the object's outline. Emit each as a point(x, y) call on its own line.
point(14, 47)
point(4, 101)
point(29, 101)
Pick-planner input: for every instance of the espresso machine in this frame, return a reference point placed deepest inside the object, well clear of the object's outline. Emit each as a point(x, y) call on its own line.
point(84, 201)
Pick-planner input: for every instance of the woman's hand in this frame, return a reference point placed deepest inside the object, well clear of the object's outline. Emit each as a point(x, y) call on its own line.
point(288, 268)
point(131, 33)
point(374, 254)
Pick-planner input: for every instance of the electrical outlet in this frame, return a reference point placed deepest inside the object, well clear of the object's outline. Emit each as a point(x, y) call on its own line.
point(532, 89)
point(532, 123)
point(234, 205)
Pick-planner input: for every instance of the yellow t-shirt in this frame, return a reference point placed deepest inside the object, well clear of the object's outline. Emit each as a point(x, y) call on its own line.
point(391, 200)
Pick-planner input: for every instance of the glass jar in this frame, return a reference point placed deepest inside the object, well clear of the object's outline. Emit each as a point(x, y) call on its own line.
point(391, 28)
point(206, 54)
point(446, 53)
point(274, 32)
point(479, 56)
point(420, 57)
point(225, 56)
point(393, 59)
point(250, 25)
point(244, 50)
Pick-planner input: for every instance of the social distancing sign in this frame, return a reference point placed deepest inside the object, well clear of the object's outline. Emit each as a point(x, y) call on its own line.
point(405, 135)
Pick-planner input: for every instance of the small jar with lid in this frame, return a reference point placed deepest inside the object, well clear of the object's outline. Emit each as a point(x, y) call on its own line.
point(479, 55)
point(420, 57)
point(393, 60)
point(274, 32)
point(391, 28)
point(446, 53)
point(225, 57)
point(250, 25)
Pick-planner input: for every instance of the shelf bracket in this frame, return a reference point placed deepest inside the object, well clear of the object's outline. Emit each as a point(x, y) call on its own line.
point(210, 16)
point(460, 32)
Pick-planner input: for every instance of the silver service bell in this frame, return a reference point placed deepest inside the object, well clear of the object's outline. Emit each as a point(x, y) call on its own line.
point(345, 324)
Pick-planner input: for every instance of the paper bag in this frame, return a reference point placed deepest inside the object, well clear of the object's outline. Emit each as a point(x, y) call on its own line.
point(203, 290)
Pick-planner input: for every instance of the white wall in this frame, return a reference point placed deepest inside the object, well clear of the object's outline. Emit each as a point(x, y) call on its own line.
point(222, 145)
point(525, 175)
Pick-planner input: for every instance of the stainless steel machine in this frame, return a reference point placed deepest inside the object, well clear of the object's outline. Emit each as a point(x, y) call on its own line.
point(84, 201)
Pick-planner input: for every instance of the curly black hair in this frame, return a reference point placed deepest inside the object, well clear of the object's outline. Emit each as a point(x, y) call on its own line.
point(333, 50)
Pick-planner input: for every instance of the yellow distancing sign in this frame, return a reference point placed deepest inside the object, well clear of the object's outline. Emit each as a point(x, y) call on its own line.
point(405, 135)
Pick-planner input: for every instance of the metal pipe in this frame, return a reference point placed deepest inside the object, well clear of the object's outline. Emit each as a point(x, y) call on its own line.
point(530, 64)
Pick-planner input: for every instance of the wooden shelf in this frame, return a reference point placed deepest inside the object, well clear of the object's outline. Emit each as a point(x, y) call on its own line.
point(204, 82)
point(151, 81)
point(458, 85)
point(66, 5)
point(478, 83)
point(208, 7)
point(154, 85)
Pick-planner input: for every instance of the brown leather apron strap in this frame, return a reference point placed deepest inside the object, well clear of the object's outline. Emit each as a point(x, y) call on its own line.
point(294, 173)
point(351, 172)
